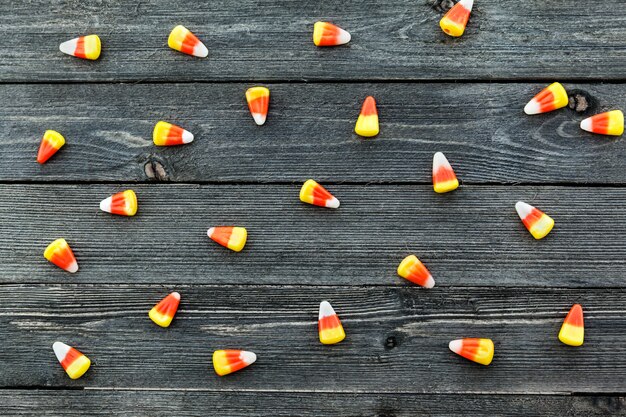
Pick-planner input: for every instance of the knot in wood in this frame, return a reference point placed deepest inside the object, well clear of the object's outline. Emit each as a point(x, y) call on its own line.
point(440, 5)
point(155, 170)
point(580, 101)
point(391, 342)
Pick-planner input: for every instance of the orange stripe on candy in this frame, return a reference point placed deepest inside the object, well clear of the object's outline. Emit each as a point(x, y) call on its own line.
point(329, 322)
point(259, 105)
point(444, 174)
point(369, 107)
point(546, 101)
point(70, 357)
point(80, 48)
point(458, 14)
point(222, 235)
point(234, 360)
point(533, 217)
point(189, 43)
point(174, 136)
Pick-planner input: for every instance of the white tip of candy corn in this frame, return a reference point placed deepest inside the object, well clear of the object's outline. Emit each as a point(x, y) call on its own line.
point(259, 118)
point(586, 125)
point(468, 4)
point(439, 161)
point(105, 205)
point(68, 47)
point(456, 345)
point(523, 209)
point(60, 350)
point(332, 203)
point(175, 295)
point(430, 282)
point(200, 51)
point(248, 357)
point(343, 37)
point(533, 107)
point(187, 136)
point(72, 268)
point(210, 232)
point(326, 310)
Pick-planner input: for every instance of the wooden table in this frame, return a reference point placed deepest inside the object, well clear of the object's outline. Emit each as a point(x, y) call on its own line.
point(435, 93)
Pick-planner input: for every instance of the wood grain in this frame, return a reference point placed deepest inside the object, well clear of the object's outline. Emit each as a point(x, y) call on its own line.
point(471, 237)
point(166, 403)
point(401, 39)
point(480, 127)
point(397, 338)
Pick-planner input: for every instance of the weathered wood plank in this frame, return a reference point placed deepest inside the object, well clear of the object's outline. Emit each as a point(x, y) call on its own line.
point(470, 237)
point(400, 40)
point(397, 338)
point(481, 127)
point(130, 403)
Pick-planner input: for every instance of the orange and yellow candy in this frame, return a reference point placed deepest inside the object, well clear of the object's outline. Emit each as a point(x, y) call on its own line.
point(537, 222)
point(163, 313)
point(608, 123)
point(414, 270)
point(167, 134)
point(51, 142)
point(313, 193)
point(573, 330)
point(60, 254)
point(258, 99)
point(123, 203)
point(181, 39)
point(444, 178)
point(476, 350)
point(86, 47)
point(330, 328)
point(550, 98)
point(327, 34)
point(454, 21)
point(74, 362)
point(367, 123)
point(234, 238)
point(231, 360)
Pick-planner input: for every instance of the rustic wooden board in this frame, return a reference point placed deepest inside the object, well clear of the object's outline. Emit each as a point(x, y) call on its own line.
point(471, 237)
point(247, 40)
point(397, 338)
point(167, 403)
point(309, 133)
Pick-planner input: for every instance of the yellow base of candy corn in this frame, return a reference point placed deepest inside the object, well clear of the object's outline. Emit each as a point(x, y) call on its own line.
point(332, 336)
point(451, 28)
point(447, 186)
point(572, 335)
point(92, 47)
point(367, 126)
point(160, 319)
point(78, 367)
point(543, 226)
point(238, 239)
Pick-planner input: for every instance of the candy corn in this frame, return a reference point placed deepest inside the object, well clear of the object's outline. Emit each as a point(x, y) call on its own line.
point(330, 328)
point(258, 99)
point(313, 193)
point(537, 222)
point(573, 330)
point(414, 270)
point(477, 350)
point(167, 134)
point(367, 123)
point(123, 203)
point(163, 313)
point(74, 362)
point(181, 39)
point(550, 98)
point(453, 23)
point(86, 47)
point(234, 238)
point(230, 360)
point(51, 142)
point(609, 123)
point(444, 179)
point(60, 254)
point(327, 34)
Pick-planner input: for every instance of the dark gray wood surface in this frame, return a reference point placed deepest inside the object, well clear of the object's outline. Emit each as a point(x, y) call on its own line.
point(252, 40)
point(309, 133)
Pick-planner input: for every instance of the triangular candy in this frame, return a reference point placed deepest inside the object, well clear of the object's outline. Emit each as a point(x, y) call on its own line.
point(123, 203)
point(51, 142)
point(367, 123)
point(329, 326)
point(476, 350)
point(608, 123)
point(444, 178)
point(414, 270)
point(167, 134)
point(60, 254)
point(258, 99)
point(231, 360)
point(86, 47)
point(313, 193)
point(234, 238)
point(74, 362)
point(536, 221)
point(327, 34)
point(573, 330)
point(181, 39)
point(163, 313)
point(550, 98)
point(454, 21)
